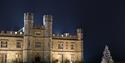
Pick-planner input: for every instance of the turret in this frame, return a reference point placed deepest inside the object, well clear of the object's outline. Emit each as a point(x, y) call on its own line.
point(28, 23)
point(79, 34)
point(47, 22)
point(27, 48)
point(80, 39)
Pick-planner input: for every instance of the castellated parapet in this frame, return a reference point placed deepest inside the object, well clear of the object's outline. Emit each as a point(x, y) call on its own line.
point(65, 36)
point(11, 33)
point(28, 16)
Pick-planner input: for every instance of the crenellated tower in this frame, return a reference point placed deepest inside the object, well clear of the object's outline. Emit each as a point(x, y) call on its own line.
point(28, 24)
point(80, 39)
point(47, 22)
point(79, 34)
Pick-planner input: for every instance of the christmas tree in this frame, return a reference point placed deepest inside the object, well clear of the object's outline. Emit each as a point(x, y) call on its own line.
point(107, 58)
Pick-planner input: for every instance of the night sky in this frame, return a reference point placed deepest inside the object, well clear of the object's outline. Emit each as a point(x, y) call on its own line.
point(102, 21)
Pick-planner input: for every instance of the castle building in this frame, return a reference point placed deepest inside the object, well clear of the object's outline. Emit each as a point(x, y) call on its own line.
point(36, 44)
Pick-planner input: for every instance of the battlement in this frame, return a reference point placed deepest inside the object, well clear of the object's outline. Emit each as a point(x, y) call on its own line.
point(28, 16)
point(47, 18)
point(12, 33)
point(65, 36)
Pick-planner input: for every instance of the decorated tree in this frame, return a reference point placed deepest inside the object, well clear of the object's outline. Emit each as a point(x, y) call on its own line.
point(107, 58)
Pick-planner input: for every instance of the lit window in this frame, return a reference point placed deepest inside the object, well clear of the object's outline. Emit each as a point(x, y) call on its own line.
point(18, 44)
point(37, 44)
point(3, 44)
point(60, 46)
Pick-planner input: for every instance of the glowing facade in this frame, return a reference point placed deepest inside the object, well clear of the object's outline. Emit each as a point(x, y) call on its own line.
point(37, 43)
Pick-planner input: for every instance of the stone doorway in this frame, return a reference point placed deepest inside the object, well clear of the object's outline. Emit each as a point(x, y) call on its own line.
point(37, 58)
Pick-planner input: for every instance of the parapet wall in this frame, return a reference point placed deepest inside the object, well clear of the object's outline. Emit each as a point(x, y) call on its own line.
point(65, 36)
point(18, 33)
point(11, 33)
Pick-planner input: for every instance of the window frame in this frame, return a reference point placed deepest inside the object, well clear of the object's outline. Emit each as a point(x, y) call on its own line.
point(38, 44)
point(4, 44)
point(18, 44)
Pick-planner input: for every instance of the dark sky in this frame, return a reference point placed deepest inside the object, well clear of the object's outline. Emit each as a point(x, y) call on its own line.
point(104, 24)
point(103, 21)
point(68, 12)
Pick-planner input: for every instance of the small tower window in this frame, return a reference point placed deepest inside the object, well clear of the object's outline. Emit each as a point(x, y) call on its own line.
point(37, 33)
point(37, 44)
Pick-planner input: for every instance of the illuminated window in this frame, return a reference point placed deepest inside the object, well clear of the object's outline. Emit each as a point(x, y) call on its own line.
point(60, 46)
point(3, 44)
point(37, 44)
point(18, 44)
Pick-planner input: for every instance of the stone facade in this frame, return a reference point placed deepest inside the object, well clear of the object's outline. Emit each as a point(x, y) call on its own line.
point(37, 43)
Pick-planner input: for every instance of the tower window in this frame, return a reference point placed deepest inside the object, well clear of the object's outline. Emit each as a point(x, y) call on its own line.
point(3, 44)
point(37, 44)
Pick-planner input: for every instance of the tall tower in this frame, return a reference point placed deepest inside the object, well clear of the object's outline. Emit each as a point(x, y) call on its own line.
point(28, 24)
point(47, 22)
point(79, 34)
point(80, 39)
